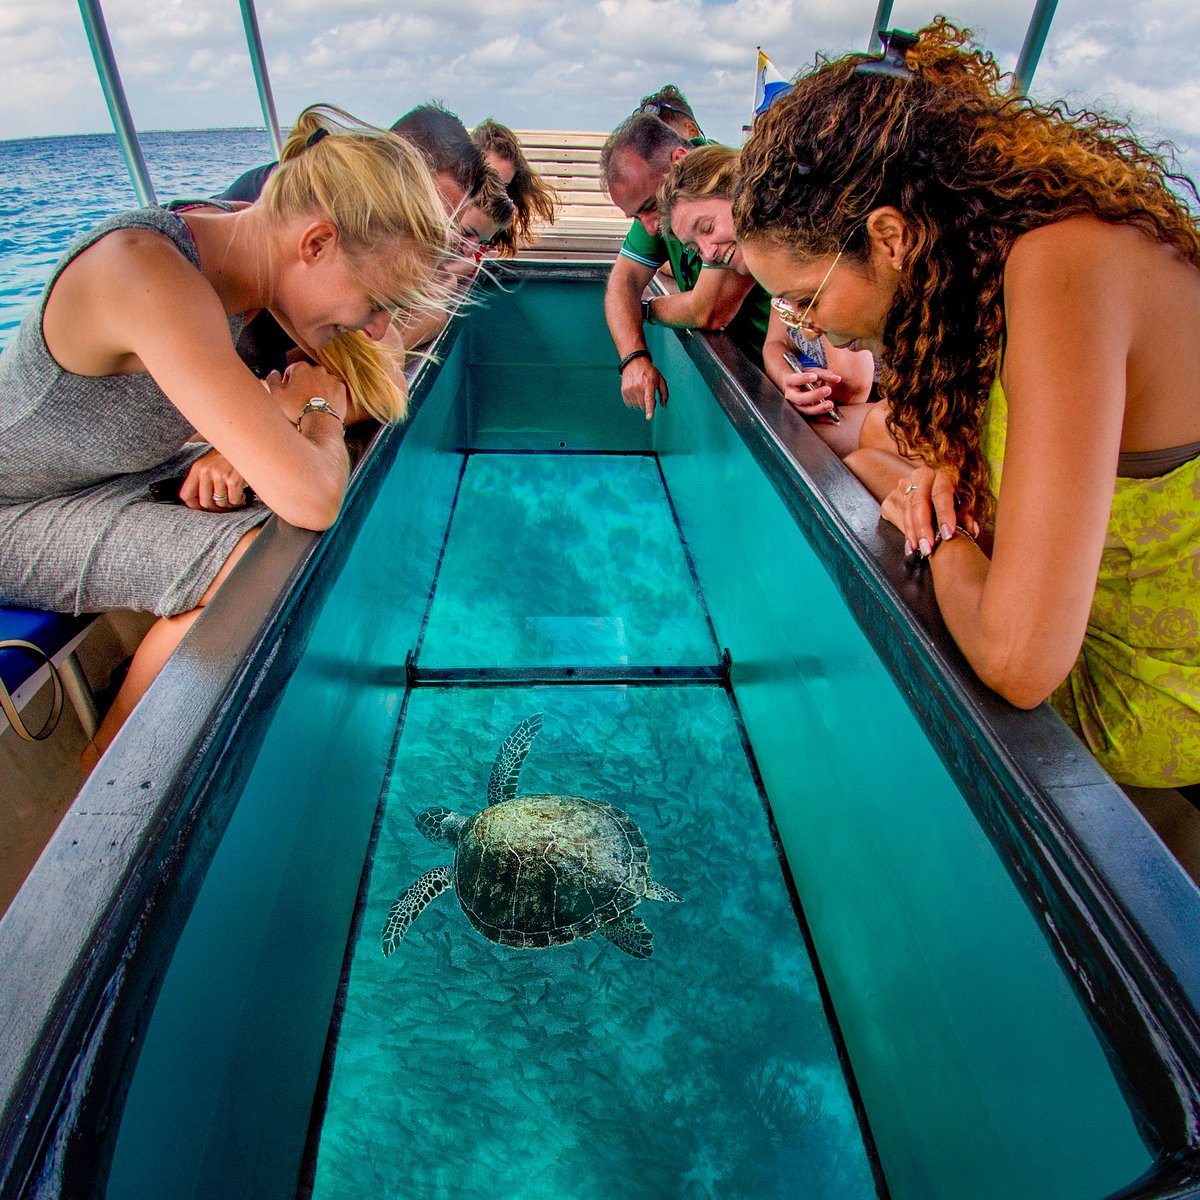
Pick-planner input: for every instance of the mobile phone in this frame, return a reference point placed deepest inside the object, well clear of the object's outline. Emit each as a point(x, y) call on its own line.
point(166, 491)
point(801, 362)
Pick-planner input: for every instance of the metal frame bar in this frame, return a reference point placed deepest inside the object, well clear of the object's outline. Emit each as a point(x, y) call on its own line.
point(258, 63)
point(1035, 39)
point(883, 14)
point(114, 97)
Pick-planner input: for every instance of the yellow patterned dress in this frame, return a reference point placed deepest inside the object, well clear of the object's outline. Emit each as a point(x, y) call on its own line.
point(1133, 695)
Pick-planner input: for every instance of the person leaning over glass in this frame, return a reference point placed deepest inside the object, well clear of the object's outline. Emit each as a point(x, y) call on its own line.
point(126, 371)
point(1033, 285)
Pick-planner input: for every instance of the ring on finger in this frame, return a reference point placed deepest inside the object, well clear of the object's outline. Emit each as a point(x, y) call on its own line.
point(912, 487)
point(220, 499)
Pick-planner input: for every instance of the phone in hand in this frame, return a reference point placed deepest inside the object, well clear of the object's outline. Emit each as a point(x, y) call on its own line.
point(166, 491)
point(802, 363)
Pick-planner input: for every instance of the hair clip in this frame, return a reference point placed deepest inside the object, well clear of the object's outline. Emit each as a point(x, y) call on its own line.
point(896, 44)
point(315, 137)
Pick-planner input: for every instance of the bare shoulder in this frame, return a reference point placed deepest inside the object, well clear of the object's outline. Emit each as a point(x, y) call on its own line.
point(132, 271)
point(110, 295)
point(1081, 268)
point(1083, 245)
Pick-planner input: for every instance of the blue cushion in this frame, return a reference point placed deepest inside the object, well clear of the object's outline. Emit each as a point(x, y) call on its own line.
point(50, 631)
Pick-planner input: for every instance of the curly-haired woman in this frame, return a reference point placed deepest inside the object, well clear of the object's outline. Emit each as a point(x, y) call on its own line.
point(1032, 283)
point(695, 203)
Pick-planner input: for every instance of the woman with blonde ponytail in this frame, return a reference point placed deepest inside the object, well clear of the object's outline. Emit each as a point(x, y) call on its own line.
point(128, 362)
point(1030, 277)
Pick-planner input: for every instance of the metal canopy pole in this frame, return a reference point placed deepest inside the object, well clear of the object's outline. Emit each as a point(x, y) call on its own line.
point(258, 61)
point(114, 96)
point(1035, 39)
point(883, 14)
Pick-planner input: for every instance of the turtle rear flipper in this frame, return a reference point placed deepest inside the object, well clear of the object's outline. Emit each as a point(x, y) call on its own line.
point(410, 904)
point(657, 891)
point(630, 934)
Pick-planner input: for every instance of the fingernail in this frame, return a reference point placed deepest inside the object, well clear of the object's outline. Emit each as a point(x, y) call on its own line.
point(907, 548)
point(947, 532)
point(926, 548)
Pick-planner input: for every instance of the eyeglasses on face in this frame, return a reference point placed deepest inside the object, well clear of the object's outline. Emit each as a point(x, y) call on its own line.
point(799, 320)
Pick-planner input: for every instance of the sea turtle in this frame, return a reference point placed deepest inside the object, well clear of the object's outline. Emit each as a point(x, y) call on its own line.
point(539, 870)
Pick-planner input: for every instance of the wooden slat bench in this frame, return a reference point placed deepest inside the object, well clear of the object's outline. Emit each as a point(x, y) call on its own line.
point(589, 226)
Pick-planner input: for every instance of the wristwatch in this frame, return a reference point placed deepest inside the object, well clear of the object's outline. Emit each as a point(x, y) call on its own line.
point(647, 314)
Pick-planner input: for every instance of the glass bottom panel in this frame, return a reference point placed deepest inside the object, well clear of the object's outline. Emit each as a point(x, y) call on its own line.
point(466, 1068)
point(565, 560)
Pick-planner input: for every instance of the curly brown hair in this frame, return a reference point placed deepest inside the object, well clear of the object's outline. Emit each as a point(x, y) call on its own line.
point(971, 168)
point(536, 202)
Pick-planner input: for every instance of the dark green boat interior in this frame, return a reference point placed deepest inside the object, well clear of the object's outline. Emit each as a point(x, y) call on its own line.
point(893, 886)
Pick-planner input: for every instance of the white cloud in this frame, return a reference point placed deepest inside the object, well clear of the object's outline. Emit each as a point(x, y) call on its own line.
point(567, 63)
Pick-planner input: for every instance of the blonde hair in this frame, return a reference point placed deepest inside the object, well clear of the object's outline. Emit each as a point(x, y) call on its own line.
point(377, 191)
point(708, 172)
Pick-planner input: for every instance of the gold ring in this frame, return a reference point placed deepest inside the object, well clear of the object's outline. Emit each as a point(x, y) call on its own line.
point(912, 487)
point(220, 499)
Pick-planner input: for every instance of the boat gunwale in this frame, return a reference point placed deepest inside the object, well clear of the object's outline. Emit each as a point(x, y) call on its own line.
point(68, 1062)
point(1117, 923)
point(1116, 909)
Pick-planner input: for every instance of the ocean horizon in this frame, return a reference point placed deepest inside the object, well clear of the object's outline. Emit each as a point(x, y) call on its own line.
point(55, 187)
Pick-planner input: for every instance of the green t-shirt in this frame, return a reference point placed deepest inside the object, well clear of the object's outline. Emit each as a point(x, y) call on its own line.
point(654, 249)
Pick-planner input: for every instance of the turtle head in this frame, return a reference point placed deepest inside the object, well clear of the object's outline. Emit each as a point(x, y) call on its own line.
point(440, 825)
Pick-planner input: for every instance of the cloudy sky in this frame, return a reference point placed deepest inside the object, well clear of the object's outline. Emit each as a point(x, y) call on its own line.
point(561, 64)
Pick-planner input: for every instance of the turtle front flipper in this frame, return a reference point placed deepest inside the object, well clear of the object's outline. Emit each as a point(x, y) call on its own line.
point(506, 770)
point(409, 905)
point(658, 891)
point(630, 934)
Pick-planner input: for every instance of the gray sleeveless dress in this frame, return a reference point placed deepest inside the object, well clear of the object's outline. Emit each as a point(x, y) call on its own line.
point(78, 530)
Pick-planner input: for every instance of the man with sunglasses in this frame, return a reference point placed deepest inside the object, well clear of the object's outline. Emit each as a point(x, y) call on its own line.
point(670, 106)
point(635, 160)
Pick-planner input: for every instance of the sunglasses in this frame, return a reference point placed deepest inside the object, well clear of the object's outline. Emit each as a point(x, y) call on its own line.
point(655, 108)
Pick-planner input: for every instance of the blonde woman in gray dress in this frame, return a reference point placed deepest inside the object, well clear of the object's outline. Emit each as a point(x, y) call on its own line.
point(126, 372)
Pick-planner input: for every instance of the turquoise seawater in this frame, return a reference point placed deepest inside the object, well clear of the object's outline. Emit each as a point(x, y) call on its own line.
point(54, 189)
point(565, 560)
point(464, 1068)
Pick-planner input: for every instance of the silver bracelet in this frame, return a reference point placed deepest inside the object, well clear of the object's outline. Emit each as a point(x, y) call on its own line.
point(316, 404)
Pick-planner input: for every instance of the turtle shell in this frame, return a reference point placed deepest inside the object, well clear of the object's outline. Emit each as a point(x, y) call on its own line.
point(544, 870)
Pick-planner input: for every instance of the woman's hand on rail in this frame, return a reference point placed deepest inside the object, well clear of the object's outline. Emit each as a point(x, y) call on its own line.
point(213, 485)
point(922, 504)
